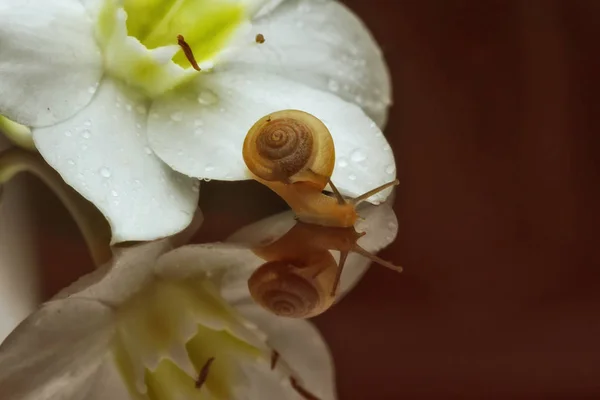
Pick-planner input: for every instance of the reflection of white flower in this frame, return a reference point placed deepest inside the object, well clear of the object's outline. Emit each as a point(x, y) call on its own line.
point(134, 330)
point(145, 325)
point(116, 108)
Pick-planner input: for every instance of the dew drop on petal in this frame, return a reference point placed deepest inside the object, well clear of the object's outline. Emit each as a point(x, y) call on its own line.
point(198, 122)
point(209, 168)
point(342, 163)
point(358, 156)
point(114, 193)
point(333, 85)
point(207, 97)
point(148, 150)
point(177, 116)
point(87, 123)
point(68, 133)
point(70, 162)
point(86, 134)
point(390, 169)
point(352, 177)
point(105, 172)
point(198, 131)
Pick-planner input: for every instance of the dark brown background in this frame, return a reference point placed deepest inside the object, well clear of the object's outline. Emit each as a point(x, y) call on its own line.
point(495, 133)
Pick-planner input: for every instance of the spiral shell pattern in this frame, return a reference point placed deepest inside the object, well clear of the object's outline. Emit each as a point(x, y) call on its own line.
point(276, 288)
point(284, 147)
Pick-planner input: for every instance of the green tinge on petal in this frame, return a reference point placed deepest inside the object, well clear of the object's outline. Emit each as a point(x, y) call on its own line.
point(169, 382)
point(186, 315)
point(139, 38)
point(206, 25)
point(18, 134)
point(226, 350)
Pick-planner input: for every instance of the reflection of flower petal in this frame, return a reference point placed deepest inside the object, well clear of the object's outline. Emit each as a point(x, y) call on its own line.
point(113, 167)
point(205, 139)
point(325, 46)
point(55, 351)
point(301, 345)
point(49, 60)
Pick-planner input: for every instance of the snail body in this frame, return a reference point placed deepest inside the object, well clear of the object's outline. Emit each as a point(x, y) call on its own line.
point(292, 153)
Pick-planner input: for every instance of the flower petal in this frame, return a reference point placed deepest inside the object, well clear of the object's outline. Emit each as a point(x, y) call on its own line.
point(54, 353)
point(50, 64)
point(323, 45)
point(127, 273)
point(204, 136)
point(102, 153)
point(302, 347)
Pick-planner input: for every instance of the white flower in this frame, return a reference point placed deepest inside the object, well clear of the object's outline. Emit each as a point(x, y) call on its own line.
point(145, 326)
point(116, 108)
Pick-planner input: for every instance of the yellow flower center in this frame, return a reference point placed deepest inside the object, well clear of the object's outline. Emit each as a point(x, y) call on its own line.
point(144, 41)
point(179, 340)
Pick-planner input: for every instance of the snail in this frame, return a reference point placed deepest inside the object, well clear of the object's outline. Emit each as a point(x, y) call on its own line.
point(301, 277)
point(292, 153)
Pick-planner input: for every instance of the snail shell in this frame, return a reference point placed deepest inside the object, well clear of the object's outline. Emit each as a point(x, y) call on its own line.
point(290, 146)
point(293, 291)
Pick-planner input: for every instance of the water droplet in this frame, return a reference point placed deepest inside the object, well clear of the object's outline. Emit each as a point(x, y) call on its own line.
point(86, 134)
point(92, 89)
point(138, 125)
point(70, 162)
point(387, 147)
point(359, 100)
point(352, 177)
point(207, 179)
point(333, 85)
point(342, 163)
point(358, 156)
point(105, 172)
point(87, 123)
point(206, 98)
point(198, 122)
point(114, 193)
point(148, 150)
point(177, 116)
point(392, 225)
point(198, 131)
point(209, 168)
point(68, 133)
point(390, 169)
point(140, 109)
point(138, 182)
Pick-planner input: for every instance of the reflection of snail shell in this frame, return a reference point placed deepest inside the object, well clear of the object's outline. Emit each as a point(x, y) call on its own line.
point(290, 291)
point(290, 146)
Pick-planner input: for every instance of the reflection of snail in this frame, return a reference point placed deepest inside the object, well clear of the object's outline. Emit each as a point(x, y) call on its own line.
point(292, 153)
point(300, 277)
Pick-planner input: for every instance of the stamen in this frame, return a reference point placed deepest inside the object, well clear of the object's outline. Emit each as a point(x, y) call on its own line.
point(301, 391)
point(274, 359)
point(204, 373)
point(260, 38)
point(187, 50)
